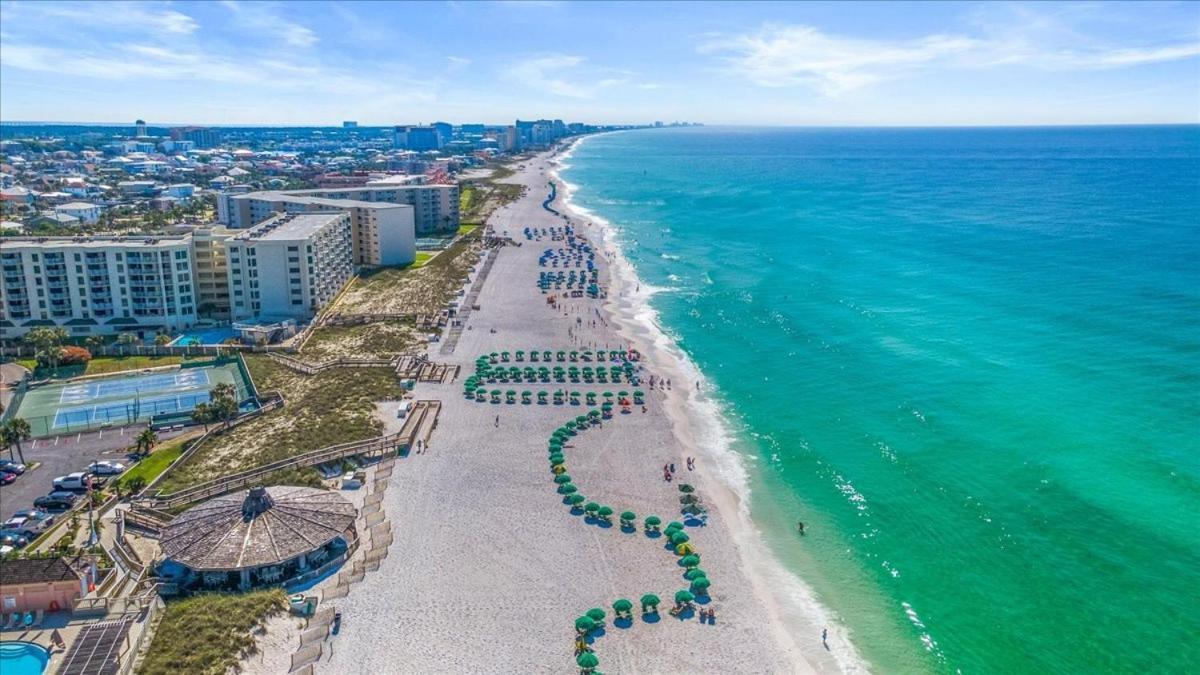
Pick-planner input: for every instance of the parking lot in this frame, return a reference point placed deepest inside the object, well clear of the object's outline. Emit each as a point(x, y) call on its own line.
point(61, 455)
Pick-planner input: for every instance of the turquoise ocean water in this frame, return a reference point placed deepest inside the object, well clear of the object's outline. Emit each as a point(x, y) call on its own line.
point(968, 359)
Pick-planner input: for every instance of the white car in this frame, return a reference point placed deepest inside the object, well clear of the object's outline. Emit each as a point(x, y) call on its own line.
point(106, 468)
point(27, 527)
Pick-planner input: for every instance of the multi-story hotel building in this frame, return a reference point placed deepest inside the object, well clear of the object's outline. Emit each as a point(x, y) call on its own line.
point(96, 285)
point(289, 266)
point(210, 271)
point(435, 207)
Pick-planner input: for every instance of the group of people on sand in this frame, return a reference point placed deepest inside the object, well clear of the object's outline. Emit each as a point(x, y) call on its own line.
point(669, 469)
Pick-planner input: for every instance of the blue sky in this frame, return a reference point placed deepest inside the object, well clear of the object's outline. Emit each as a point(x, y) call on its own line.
point(737, 63)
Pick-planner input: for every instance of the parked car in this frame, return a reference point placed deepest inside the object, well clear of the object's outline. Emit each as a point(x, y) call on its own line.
point(106, 468)
point(6, 478)
point(12, 467)
point(58, 499)
point(78, 481)
point(13, 540)
point(36, 514)
point(23, 525)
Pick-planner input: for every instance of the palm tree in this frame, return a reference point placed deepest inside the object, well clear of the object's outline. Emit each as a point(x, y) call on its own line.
point(126, 340)
point(146, 440)
point(224, 403)
point(17, 430)
point(203, 413)
point(162, 339)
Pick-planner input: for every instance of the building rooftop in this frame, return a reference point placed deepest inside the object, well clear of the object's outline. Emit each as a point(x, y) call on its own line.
point(257, 527)
point(76, 205)
point(97, 242)
point(289, 227)
point(35, 571)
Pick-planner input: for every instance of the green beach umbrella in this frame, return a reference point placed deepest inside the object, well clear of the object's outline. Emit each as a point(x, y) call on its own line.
point(584, 624)
point(701, 585)
point(690, 561)
point(581, 420)
point(688, 499)
point(604, 511)
point(628, 515)
point(653, 521)
point(592, 507)
point(562, 478)
point(593, 413)
point(596, 614)
point(621, 606)
point(694, 574)
point(587, 660)
point(567, 488)
point(650, 600)
point(684, 487)
point(679, 538)
point(684, 596)
point(673, 526)
point(576, 499)
point(692, 509)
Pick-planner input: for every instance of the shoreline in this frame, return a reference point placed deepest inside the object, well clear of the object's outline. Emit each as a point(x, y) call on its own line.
point(692, 412)
point(490, 568)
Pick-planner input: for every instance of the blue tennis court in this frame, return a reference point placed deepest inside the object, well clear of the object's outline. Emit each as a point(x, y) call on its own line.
point(131, 386)
point(123, 412)
point(116, 400)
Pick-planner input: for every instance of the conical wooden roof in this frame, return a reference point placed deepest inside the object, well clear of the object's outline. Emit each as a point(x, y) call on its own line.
point(257, 527)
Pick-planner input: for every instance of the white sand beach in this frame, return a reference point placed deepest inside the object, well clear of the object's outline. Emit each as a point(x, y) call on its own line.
point(489, 569)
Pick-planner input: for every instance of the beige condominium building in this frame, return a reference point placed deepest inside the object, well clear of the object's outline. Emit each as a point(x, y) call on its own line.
point(289, 266)
point(435, 208)
point(210, 271)
point(96, 285)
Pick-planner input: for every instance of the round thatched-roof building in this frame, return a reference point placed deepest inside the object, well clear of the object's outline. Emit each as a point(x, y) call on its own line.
point(263, 536)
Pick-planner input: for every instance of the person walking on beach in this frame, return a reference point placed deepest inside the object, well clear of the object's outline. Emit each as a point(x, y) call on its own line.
point(825, 637)
point(800, 526)
point(691, 462)
point(672, 467)
point(497, 421)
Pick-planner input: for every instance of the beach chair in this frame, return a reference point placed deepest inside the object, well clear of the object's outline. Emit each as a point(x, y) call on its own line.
point(37, 619)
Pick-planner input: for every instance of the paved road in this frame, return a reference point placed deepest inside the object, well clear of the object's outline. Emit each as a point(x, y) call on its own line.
point(62, 455)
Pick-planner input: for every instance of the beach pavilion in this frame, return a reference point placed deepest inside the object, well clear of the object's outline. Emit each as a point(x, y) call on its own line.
point(260, 537)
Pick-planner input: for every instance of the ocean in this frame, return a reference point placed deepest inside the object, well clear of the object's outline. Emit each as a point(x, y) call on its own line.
point(967, 359)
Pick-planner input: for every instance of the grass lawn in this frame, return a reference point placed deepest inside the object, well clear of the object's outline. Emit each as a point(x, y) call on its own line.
point(101, 365)
point(467, 228)
point(334, 406)
point(423, 257)
point(158, 461)
point(207, 634)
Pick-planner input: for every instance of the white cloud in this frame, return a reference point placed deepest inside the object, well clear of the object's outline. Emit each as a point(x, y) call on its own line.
point(565, 75)
point(785, 56)
point(128, 62)
point(264, 17)
point(795, 55)
point(132, 16)
point(457, 62)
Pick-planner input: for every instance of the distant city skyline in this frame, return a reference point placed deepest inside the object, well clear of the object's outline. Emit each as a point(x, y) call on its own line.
point(317, 64)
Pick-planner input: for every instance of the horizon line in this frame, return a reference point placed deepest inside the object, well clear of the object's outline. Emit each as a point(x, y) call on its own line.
point(630, 124)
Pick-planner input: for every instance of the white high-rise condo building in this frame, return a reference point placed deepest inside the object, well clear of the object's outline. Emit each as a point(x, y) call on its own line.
point(96, 285)
point(289, 266)
point(432, 209)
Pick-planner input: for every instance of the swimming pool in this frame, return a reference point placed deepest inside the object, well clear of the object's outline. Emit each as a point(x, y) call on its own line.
point(22, 658)
point(215, 335)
